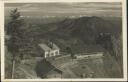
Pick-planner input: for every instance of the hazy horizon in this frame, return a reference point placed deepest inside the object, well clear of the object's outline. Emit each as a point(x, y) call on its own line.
point(66, 9)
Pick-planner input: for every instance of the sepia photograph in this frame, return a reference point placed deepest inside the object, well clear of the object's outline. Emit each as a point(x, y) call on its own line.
point(63, 40)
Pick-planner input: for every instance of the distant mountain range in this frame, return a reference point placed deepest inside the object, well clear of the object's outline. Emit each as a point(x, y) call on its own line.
point(86, 28)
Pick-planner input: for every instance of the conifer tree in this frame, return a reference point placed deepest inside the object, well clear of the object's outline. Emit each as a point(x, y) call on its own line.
point(15, 32)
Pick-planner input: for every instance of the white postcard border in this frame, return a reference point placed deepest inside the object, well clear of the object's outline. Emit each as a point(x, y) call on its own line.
point(124, 28)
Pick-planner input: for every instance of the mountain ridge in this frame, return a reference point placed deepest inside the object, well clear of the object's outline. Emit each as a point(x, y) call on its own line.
point(86, 28)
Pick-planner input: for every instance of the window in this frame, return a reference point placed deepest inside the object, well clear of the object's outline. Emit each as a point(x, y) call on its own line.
point(56, 53)
point(52, 54)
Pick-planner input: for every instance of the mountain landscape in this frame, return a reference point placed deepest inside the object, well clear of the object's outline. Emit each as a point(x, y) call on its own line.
point(84, 28)
point(97, 39)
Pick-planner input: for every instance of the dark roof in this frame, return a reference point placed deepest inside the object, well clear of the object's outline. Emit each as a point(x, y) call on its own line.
point(44, 67)
point(45, 47)
point(55, 46)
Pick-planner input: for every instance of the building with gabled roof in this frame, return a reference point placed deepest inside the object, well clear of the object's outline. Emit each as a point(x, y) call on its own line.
point(49, 50)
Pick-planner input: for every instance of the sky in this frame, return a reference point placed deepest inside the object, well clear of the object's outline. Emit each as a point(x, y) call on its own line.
point(106, 9)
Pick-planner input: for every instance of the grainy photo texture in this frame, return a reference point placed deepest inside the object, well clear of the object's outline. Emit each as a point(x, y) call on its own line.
point(63, 40)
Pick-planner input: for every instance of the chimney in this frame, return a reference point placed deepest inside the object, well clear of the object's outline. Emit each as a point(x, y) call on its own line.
point(50, 44)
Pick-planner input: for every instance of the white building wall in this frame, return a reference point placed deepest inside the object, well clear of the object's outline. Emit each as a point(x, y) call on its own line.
point(51, 53)
point(57, 52)
point(46, 54)
point(92, 55)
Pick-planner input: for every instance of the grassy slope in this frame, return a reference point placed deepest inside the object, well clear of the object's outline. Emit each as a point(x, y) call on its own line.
point(39, 32)
point(106, 67)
